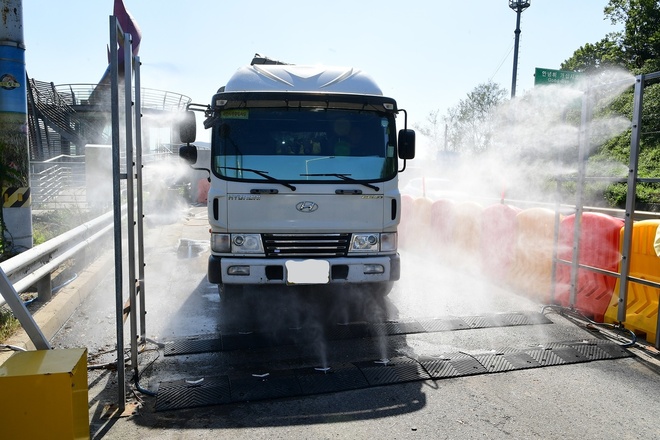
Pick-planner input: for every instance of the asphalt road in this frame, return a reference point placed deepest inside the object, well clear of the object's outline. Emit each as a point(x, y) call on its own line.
point(612, 398)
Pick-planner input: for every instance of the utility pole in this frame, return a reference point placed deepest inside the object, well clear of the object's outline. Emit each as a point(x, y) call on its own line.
point(518, 6)
point(14, 151)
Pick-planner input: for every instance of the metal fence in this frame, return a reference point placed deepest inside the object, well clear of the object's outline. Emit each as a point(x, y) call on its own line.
point(58, 182)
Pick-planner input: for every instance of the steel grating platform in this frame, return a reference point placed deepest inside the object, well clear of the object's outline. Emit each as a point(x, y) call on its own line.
point(243, 340)
point(261, 384)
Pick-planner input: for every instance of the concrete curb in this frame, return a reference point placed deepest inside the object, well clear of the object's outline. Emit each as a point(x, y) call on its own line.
point(52, 316)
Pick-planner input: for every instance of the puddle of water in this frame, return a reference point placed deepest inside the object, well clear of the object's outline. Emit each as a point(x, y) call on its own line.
point(189, 248)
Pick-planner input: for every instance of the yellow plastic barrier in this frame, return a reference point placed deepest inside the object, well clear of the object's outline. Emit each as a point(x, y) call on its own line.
point(43, 395)
point(531, 269)
point(642, 304)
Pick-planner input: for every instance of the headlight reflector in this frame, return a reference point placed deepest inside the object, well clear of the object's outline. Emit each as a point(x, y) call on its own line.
point(246, 243)
point(364, 243)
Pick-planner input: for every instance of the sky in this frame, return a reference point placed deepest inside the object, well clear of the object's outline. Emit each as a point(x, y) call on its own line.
point(427, 54)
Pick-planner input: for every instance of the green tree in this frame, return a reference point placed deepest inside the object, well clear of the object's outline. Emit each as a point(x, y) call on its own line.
point(640, 38)
point(636, 49)
point(592, 57)
point(433, 128)
point(471, 122)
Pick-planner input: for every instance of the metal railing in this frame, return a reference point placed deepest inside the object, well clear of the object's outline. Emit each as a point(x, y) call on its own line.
point(58, 182)
point(35, 266)
point(154, 99)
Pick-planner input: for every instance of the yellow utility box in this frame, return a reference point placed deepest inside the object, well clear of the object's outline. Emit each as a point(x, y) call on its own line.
point(43, 395)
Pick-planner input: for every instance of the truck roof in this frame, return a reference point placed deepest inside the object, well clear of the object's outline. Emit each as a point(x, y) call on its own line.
point(302, 78)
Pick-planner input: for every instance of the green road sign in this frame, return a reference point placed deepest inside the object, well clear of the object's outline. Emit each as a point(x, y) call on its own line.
point(560, 77)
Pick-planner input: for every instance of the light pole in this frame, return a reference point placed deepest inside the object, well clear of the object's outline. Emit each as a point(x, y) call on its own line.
point(518, 6)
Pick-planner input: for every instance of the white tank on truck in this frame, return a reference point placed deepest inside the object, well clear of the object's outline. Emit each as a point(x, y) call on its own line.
point(303, 177)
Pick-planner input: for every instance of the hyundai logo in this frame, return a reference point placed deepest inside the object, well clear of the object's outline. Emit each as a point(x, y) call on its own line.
point(307, 206)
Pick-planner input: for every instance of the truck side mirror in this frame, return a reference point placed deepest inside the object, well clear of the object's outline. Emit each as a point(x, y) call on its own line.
point(187, 127)
point(406, 143)
point(188, 153)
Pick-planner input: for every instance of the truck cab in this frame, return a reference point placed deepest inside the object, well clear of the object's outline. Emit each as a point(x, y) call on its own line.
point(303, 178)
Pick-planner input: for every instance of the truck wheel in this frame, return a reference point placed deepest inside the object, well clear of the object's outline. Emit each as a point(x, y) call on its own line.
point(230, 292)
point(381, 289)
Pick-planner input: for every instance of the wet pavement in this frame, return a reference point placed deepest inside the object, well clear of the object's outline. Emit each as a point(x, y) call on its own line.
point(276, 331)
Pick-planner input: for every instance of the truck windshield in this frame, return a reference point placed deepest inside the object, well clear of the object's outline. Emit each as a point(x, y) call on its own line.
point(304, 145)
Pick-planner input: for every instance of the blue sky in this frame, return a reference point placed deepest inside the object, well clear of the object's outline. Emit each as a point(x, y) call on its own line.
point(426, 54)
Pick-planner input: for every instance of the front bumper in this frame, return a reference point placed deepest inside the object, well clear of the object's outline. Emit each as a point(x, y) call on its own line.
point(277, 271)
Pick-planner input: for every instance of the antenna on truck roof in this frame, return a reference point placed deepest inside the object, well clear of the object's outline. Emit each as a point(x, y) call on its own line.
point(260, 59)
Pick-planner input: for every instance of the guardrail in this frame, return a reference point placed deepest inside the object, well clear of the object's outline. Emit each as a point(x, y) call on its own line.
point(35, 266)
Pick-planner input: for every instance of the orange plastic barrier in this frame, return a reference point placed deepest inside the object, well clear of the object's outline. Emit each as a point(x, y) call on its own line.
point(420, 224)
point(499, 228)
point(531, 271)
point(443, 212)
point(642, 304)
point(466, 232)
point(599, 247)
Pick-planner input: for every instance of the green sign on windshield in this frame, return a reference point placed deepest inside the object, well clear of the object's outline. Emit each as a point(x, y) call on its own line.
point(560, 77)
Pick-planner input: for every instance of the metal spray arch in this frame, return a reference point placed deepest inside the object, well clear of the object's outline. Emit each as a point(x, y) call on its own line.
point(632, 180)
point(128, 132)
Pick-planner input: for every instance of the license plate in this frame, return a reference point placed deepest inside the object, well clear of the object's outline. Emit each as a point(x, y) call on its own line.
point(307, 272)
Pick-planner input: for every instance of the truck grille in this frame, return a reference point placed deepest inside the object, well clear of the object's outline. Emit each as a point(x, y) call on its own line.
point(304, 245)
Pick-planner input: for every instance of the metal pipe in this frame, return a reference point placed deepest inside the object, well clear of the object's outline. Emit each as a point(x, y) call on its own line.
point(515, 53)
point(140, 210)
point(129, 110)
point(631, 198)
point(22, 314)
point(115, 31)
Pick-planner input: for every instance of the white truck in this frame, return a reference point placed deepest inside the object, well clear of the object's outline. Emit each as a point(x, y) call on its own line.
point(303, 177)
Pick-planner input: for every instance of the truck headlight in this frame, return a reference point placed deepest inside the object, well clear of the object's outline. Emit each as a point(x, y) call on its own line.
point(246, 243)
point(364, 243)
point(374, 242)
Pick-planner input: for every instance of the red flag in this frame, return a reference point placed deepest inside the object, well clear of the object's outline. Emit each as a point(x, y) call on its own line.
point(128, 24)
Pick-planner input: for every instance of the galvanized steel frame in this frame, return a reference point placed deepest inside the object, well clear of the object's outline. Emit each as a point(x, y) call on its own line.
point(632, 180)
point(131, 132)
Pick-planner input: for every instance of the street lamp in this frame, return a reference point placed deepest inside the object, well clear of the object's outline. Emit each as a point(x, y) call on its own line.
point(518, 6)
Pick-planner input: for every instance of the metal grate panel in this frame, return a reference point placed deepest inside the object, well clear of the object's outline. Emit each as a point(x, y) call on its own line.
point(597, 349)
point(245, 386)
point(238, 341)
point(452, 365)
point(259, 386)
point(444, 324)
point(397, 370)
point(193, 393)
point(340, 377)
point(193, 344)
point(396, 328)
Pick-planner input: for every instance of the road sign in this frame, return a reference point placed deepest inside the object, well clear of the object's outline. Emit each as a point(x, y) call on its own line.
point(560, 77)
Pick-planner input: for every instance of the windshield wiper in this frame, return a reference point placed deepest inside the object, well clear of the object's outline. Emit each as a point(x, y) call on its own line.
point(343, 177)
point(263, 174)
